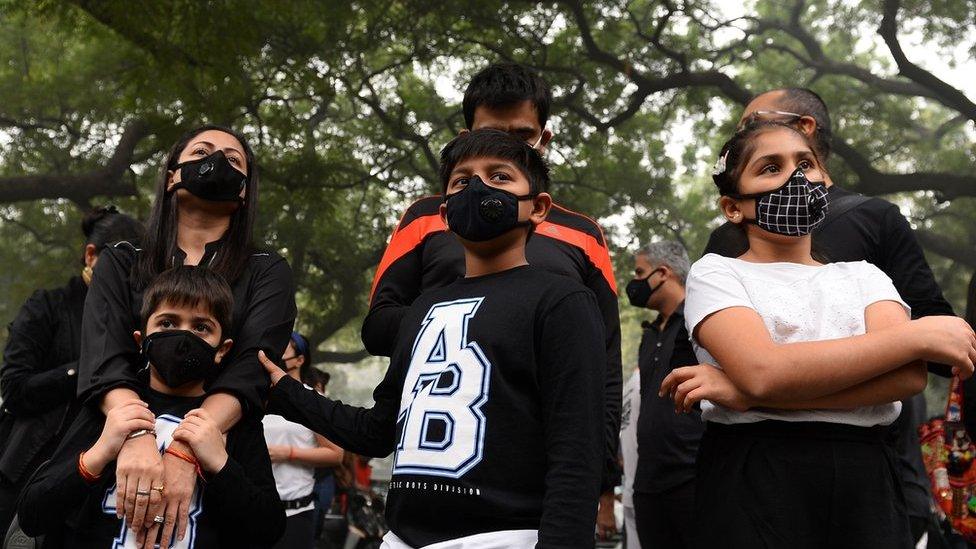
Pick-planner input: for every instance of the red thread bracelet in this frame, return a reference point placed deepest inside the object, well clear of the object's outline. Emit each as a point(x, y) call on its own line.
point(86, 475)
point(291, 453)
point(189, 459)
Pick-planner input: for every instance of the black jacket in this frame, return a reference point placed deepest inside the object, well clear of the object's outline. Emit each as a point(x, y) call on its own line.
point(264, 314)
point(37, 379)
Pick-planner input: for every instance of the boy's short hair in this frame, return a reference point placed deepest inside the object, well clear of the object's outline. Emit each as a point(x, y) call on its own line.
point(190, 286)
point(489, 143)
point(505, 84)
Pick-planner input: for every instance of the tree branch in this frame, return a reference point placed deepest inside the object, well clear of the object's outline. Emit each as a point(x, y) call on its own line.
point(963, 254)
point(341, 357)
point(108, 180)
point(946, 94)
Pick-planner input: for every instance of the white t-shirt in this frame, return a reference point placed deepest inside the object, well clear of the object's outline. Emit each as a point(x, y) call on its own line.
point(628, 434)
point(797, 303)
point(294, 480)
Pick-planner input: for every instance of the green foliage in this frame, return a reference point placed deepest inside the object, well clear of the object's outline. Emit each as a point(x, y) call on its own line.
point(347, 107)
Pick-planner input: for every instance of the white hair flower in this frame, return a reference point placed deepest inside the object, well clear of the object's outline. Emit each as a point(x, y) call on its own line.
point(720, 164)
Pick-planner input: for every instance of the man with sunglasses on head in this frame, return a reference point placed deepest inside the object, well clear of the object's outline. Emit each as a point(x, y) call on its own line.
point(422, 255)
point(859, 228)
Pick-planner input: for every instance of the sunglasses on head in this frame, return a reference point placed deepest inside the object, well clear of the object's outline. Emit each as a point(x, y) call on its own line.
point(778, 116)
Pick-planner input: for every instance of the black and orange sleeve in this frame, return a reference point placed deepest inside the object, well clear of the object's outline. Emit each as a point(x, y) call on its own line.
point(585, 234)
point(399, 276)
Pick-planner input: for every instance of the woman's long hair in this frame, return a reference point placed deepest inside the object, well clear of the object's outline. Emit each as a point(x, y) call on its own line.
point(160, 242)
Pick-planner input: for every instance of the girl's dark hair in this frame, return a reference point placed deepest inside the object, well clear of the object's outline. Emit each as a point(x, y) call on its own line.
point(737, 151)
point(105, 225)
point(159, 244)
point(302, 348)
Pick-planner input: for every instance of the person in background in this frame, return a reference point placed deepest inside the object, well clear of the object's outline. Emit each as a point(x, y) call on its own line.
point(860, 228)
point(296, 452)
point(40, 362)
point(628, 454)
point(325, 482)
point(667, 443)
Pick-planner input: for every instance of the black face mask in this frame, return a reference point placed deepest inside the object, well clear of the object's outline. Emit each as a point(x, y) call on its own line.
point(212, 178)
point(639, 291)
point(479, 212)
point(180, 356)
point(795, 208)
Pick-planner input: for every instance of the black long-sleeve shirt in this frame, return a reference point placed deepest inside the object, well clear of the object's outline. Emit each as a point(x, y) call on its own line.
point(38, 377)
point(236, 507)
point(874, 230)
point(422, 256)
point(494, 404)
point(264, 315)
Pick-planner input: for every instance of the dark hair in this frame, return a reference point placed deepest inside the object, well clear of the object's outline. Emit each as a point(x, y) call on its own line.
point(488, 143)
point(300, 343)
point(105, 225)
point(737, 151)
point(806, 102)
point(504, 84)
point(159, 244)
point(190, 286)
point(314, 377)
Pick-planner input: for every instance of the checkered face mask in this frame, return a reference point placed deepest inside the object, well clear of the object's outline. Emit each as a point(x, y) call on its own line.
point(794, 209)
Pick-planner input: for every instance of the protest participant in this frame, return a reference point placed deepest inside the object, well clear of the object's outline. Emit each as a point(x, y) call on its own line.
point(667, 443)
point(38, 379)
point(802, 367)
point(186, 315)
point(493, 400)
point(203, 214)
point(295, 454)
point(859, 228)
point(422, 255)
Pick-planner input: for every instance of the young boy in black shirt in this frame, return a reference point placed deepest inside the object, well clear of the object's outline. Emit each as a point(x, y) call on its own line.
point(493, 400)
point(72, 498)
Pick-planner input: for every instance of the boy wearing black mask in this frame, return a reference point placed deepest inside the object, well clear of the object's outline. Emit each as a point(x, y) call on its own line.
point(72, 499)
point(493, 400)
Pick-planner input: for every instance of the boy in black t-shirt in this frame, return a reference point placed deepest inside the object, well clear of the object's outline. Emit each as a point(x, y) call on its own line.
point(493, 400)
point(72, 499)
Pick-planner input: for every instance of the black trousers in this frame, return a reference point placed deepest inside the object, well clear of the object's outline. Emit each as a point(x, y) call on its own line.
point(810, 485)
point(299, 531)
point(665, 520)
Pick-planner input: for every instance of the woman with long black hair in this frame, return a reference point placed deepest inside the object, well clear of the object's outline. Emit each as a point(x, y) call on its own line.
point(203, 214)
point(38, 378)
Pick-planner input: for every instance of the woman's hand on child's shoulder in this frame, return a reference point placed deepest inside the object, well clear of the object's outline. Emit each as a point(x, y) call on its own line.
point(273, 370)
point(202, 434)
point(691, 384)
point(948, 340)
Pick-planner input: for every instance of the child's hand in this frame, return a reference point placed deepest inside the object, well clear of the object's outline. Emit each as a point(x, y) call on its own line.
point(273, 370)
point(692, 384)
point(279, 453)
point(130, 416)
point(201, 433)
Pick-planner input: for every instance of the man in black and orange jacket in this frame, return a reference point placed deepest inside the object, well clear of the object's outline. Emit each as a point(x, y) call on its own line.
point(421, 254)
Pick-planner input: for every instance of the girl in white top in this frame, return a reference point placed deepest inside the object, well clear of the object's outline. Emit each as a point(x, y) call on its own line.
point(295, 453)
point(803, 364)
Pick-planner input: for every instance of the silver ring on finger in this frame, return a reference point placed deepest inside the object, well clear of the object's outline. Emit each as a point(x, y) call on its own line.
point(142, 492)
point(159, 519)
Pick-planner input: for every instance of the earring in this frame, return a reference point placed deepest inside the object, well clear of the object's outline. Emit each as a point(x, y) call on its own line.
point(86, 275)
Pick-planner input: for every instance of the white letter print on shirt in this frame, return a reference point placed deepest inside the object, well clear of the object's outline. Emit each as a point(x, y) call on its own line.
point(442, 427)
point(166, 424)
